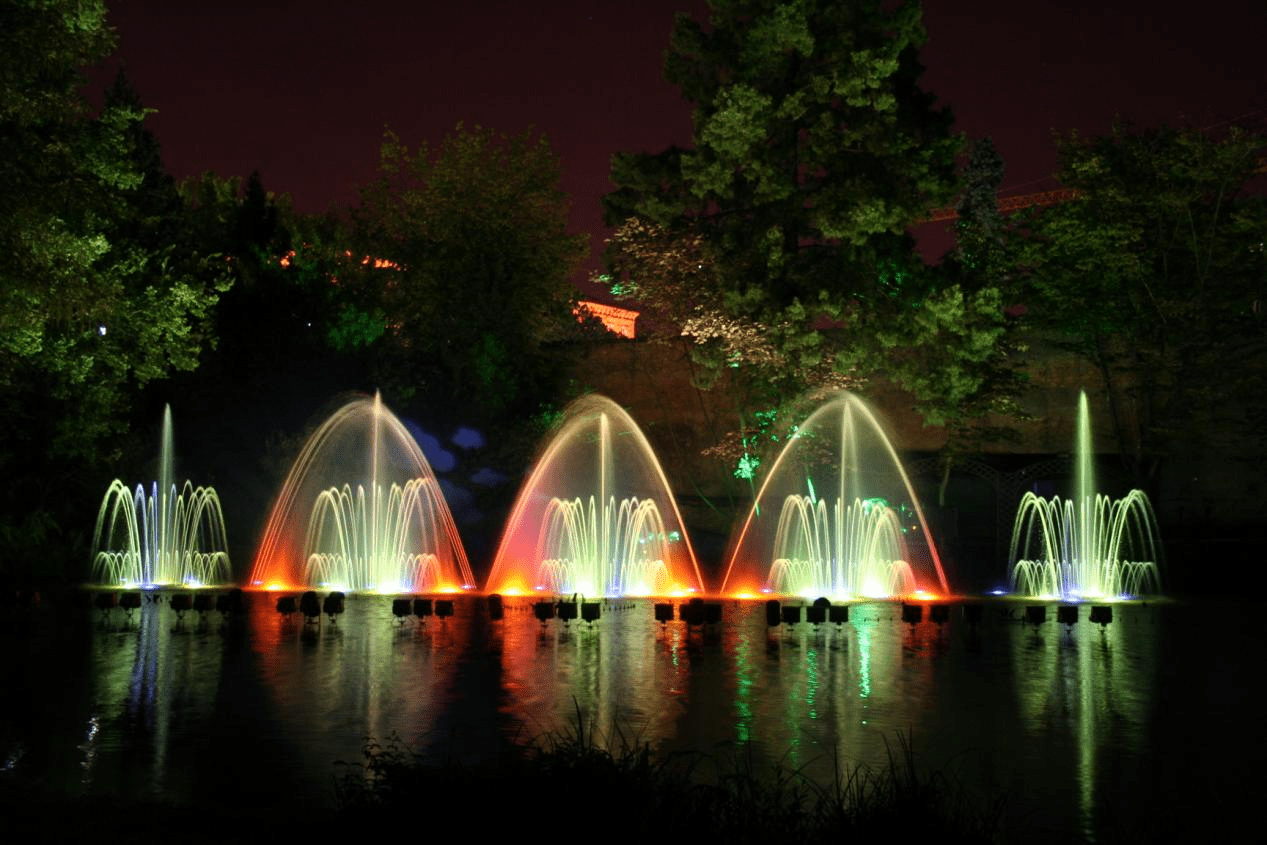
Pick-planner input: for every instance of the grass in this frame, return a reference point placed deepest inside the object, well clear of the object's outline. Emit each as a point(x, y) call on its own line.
point(574, 780)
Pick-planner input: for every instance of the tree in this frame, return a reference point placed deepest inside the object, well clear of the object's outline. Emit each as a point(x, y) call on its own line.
point(465, 249)
point(1156, 275)
point(94, 302)
point(971, 387)
point(89, 304)
point(814, 152)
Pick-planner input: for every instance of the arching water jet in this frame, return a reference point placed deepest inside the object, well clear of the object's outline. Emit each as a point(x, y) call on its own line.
point(362, 511)
point(166, 536)
point(836, 516)
point(596, 516)
point(1087, 546)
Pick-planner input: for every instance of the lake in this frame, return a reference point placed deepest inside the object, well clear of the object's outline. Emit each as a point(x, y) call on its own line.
point(1143, 727)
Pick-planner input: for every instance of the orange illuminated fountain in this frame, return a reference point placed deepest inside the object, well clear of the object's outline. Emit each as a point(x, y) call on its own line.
point(361, 511)
point(836, 516)
point(596, 516)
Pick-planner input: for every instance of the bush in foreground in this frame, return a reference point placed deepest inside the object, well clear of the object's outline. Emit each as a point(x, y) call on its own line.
point(575, 782)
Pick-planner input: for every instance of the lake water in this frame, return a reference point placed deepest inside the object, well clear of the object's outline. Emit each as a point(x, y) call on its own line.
point(1144, 727)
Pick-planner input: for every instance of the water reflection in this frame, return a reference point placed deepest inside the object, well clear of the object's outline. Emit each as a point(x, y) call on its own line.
point(622, 676)
point(1078, 728)
point(334, 684)
point(1088, 683)
point(150, 680)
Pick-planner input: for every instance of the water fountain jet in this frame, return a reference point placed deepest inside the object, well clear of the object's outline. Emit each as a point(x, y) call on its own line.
point(361, 511)
point(166, 536)
point(836, 516)
point(596, 516)
point(1087, 546)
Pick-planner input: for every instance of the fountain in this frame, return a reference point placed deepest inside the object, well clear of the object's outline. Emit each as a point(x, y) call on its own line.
point(167, 536)
point(361, 511)
point(596, 516)
point(836, 516)
point(1089, 546)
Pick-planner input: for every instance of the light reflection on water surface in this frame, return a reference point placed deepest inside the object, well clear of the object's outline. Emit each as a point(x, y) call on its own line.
point(1082, 729)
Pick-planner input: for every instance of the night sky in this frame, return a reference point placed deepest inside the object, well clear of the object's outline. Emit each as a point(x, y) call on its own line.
point(302, 91)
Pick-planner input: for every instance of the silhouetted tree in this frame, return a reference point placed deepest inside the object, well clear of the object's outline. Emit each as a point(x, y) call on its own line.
point(1156, 274)
point(778, 243)
point(465, 250)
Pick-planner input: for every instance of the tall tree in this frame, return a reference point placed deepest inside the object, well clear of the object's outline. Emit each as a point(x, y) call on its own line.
point(972, 388)
point(1156, 275)
point(465, 249)
point(815, 150)
point(92, 304)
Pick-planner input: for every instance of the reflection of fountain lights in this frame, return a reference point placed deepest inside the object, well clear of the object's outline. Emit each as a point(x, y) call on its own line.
point(1088, 546)
point(1090, 682)
point(169, 536)
point(89, 747)
point(596, 516)
point(859, 541)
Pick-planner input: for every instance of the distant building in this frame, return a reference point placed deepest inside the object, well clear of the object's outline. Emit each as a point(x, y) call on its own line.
point(617, 320)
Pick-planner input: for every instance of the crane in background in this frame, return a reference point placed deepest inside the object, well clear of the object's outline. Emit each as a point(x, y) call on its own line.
point(1010, 204)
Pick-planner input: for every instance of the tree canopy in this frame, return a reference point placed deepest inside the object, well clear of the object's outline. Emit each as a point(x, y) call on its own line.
point(465, 252)
point(814, 147)
point(779, 242)
point(1156, 274)
point(94, 300)
point(98, 295)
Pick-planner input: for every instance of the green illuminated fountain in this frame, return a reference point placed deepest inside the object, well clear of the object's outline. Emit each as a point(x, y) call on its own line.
point(836, 516)
point(171, 535)
point(1089, 546)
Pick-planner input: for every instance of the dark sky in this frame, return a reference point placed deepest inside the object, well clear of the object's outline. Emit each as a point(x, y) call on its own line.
point(301, 91)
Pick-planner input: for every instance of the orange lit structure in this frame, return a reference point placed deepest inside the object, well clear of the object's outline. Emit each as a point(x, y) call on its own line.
point(1010, 204)
point(617, 320)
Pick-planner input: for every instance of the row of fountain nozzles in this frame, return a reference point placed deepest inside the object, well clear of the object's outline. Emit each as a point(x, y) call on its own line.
point(232, 602)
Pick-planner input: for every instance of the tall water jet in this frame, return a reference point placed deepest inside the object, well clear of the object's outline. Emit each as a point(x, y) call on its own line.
point(1088, 546)
point(169, 535)
point(836, 516)
point(362, 511)
point(596, 516)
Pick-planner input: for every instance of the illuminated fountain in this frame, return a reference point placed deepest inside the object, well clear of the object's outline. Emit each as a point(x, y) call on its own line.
point(361, 511)
point(167, 536)
point(836, 516)
point(1089, 546)
point(596, 516)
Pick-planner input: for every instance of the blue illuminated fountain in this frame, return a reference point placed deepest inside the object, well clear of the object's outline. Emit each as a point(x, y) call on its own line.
point(169, 535)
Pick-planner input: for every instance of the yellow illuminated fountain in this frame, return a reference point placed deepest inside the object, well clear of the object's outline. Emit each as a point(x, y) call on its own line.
point(836, 516)
point(1089, 546)
point(361, 511)
point(169, 535)
point(596, 516)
